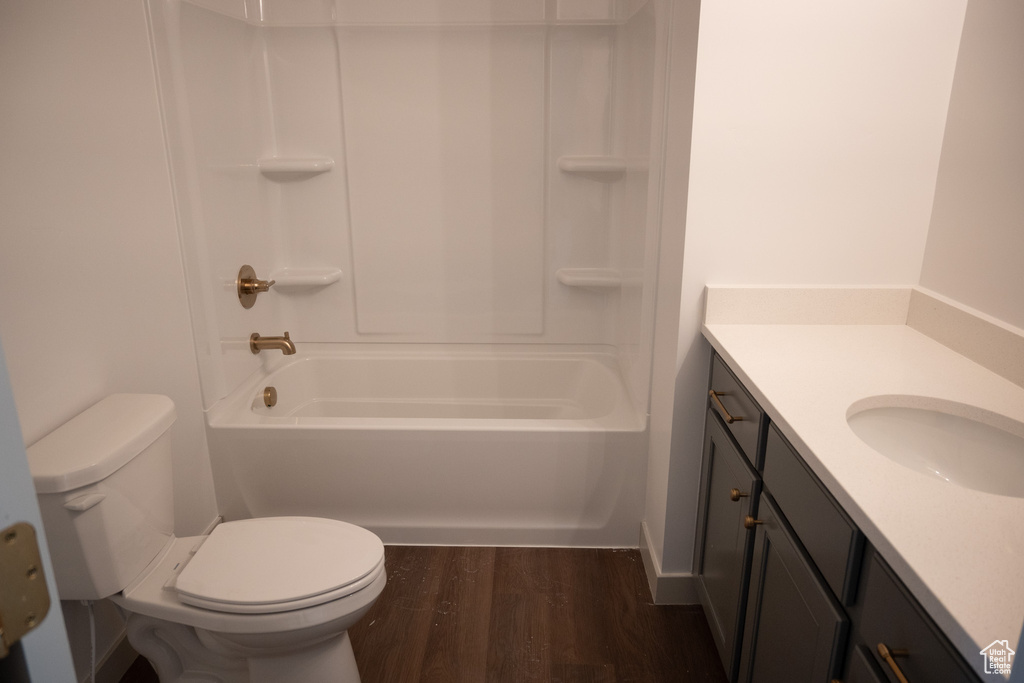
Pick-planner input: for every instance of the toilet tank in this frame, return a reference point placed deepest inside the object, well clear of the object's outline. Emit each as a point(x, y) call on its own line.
point(103, 480)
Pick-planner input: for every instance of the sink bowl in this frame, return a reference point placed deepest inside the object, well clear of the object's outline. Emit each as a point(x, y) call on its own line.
point(955, 442)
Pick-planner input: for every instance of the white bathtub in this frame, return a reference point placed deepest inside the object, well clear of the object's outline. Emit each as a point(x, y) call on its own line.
point(438, 444)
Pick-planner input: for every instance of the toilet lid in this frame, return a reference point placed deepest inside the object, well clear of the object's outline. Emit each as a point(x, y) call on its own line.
point(277, 564)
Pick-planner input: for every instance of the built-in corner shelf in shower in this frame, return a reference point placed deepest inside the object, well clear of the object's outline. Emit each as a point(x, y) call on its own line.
point(293, 167)
point(595, 278)
point(608, 167)
point(288, 280)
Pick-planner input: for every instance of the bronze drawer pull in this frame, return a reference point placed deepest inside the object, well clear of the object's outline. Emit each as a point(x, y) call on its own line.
point(751, 523)
point(736, 494)
point(887, 654)
point(729, 419)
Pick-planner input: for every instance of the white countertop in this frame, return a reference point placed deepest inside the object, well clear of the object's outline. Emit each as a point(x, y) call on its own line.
point(959, 551)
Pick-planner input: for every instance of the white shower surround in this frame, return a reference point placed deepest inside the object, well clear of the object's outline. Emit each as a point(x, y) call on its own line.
point(461, 177)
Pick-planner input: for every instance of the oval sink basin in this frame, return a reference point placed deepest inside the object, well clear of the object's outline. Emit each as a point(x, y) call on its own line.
point(963, 445)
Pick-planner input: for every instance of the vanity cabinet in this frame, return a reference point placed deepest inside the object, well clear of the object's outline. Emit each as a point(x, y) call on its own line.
point(730, 492)
point(729, 496)
point(791, 589)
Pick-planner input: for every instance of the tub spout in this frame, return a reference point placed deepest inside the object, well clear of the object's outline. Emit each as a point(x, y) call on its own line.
point(283, 344)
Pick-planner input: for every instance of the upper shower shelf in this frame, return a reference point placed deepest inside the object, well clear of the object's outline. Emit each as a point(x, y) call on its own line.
point(439, 13)
point(299, 279)
point(290, 167)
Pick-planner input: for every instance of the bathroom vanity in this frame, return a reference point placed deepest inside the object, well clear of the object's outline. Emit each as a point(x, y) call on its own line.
point(784, 574)
point(819, 558)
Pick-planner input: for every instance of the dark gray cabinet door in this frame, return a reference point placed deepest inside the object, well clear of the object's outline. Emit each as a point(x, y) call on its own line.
point(795, 630)
point(860, 668)
point(729, 493)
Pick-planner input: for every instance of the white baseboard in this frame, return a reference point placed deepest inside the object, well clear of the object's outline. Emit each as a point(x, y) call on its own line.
point(677, 588)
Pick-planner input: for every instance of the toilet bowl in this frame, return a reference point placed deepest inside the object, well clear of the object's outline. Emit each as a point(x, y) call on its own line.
point(231, 589)
point(256, 600)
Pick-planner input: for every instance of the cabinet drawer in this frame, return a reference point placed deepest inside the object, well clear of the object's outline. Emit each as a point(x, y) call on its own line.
point(831, 539)
point(741, 414)
point(888, 616)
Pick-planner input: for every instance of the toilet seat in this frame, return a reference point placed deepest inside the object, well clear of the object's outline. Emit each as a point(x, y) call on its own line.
point(153, 594)
point(279, 564)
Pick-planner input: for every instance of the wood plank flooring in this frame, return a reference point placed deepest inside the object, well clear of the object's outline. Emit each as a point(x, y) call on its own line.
point(497, 615)
point(527, 614)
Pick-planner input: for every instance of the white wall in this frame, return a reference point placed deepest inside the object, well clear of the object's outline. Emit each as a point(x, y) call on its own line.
point(672, 129)
point(816, 136)
point(975, 251)
point(92, 297)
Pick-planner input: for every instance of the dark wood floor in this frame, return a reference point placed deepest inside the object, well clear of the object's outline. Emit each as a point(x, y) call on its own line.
point(525, 614)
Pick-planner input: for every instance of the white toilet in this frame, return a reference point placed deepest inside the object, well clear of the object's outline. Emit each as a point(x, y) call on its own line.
point(256, 600)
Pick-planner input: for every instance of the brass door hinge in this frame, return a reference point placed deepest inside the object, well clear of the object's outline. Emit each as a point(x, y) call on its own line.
point(24, 600)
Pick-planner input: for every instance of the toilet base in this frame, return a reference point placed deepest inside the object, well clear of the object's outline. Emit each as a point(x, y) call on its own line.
point(331, 660)
point(180, 654)
point(177, 655)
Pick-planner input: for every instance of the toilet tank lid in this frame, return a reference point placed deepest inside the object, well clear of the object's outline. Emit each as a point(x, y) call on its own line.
point(96, 443)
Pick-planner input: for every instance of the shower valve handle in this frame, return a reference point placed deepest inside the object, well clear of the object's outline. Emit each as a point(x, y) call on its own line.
point(258, 286)
point(248, 286)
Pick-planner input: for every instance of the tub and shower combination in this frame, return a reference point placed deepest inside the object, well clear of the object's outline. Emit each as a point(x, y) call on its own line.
point(452, 199)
